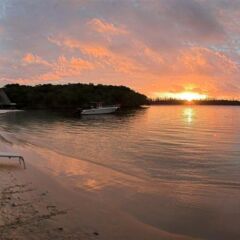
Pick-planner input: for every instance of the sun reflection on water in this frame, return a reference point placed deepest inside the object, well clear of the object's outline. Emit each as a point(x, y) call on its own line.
point(188, 114)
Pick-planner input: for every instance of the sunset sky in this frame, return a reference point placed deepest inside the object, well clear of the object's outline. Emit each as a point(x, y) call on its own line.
point(161, 48)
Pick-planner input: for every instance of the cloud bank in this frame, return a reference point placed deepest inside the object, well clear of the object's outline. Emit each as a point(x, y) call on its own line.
point(155, 46)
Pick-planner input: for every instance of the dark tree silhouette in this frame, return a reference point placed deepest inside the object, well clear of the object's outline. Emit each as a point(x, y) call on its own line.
point(72, 95)
point(195, 102)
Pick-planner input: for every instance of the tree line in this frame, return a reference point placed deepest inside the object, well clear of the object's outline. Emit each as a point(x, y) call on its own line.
point(72, 95)
point(170, 101)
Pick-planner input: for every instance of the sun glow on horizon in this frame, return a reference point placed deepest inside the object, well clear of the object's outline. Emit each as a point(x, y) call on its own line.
point(187, 95)
point(190, 96)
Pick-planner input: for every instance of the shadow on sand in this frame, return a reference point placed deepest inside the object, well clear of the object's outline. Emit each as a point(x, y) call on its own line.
point(14, 166)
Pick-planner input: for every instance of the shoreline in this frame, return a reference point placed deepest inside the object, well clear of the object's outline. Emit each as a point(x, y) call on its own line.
point(83, 184)
point(35, 205)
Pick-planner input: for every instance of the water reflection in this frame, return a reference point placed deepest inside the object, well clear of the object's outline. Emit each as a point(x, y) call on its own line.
point(181, 162)
point(188, 114)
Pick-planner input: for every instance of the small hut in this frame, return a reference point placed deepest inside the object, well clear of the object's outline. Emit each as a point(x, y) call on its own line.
point(5, 101)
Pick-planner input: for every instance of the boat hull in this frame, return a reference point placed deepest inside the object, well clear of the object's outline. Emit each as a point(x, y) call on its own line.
point(102, 110)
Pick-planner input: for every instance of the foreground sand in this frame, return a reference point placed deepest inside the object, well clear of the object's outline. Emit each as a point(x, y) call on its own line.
point(28, 213)
point(34, 205)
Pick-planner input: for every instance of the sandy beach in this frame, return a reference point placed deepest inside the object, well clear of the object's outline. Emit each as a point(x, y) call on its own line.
point(34, 205)
point(27, 211)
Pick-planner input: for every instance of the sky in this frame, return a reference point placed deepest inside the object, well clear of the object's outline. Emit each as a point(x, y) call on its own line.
point(161, 48)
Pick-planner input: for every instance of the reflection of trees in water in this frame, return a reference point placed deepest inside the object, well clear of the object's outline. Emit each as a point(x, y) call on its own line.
point(41, 120)
point(5, 140)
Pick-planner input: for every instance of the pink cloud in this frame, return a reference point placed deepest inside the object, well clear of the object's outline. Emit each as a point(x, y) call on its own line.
point(200, 67)
point(64, 68)
point(100, 54)
point(102, 26)
point(61, 68)
point(206, 61)
point(29, 58)
point(151, 46)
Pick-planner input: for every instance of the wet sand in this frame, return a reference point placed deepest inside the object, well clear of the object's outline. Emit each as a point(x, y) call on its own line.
point(35, 206)
point(27, 211)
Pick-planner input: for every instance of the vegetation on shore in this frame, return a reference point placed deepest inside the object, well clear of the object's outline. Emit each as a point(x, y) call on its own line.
point(196, 102)
point(72, 96)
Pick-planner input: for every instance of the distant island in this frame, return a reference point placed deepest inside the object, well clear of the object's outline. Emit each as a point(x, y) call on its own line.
point(72, 96)
point(195, 102)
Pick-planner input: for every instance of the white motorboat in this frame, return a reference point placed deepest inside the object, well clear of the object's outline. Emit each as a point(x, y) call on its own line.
point(99, 109)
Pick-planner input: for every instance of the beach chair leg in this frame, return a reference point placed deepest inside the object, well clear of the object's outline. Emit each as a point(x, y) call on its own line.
point(19, 159)
point(23, 161)
point(24, 165)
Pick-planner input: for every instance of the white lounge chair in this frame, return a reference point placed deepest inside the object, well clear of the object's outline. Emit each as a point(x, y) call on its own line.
point(13, 155)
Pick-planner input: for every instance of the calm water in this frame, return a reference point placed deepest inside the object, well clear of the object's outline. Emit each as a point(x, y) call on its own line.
point(185, 161)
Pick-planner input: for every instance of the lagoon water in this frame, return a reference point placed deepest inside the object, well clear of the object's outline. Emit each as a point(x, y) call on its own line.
point(175, 168)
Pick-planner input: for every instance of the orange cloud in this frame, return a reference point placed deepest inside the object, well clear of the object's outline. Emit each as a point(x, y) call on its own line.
point(125, 43)
point(102, 55)
point(206, 60)
point(93, 49)
point(29, 58)
point(153, 71)
point(70, 67)
point(62, 68)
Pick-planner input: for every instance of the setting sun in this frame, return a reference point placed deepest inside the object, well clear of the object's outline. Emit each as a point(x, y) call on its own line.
point(189, 96)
